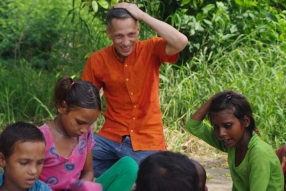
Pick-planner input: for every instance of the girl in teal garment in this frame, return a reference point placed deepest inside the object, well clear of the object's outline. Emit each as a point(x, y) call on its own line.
point(252, 162)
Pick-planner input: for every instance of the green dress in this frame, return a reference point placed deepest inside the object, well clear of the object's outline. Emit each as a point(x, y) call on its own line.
point(260, 169)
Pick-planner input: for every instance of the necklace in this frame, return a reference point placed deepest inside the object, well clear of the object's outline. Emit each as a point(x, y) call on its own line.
point(64, 134)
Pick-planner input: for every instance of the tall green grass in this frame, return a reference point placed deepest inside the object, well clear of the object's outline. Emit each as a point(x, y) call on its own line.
point(259, 74)
point(24, 94)
point(257, 71)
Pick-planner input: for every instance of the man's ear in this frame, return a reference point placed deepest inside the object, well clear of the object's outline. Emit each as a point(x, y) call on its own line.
point(108, 32)
point(138, 27)
point(2, 160)
point(62, 108)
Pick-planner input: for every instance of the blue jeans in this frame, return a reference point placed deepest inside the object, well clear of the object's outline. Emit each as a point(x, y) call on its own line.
point(106, 153)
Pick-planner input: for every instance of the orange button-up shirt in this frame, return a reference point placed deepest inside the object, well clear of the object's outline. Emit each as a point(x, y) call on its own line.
point(131, 89)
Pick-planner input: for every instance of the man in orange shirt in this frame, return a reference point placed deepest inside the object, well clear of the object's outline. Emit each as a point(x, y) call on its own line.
point(128, 72)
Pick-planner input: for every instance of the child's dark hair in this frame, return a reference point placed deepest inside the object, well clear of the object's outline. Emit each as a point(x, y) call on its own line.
point(237, 103)
point(18, 132)
point(76, 94)
point(166, 170)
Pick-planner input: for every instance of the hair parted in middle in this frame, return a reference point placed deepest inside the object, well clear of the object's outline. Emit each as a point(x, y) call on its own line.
point(76, 94)
point(235, 102)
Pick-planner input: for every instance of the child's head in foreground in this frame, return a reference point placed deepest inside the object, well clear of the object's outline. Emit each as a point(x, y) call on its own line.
point(170, 171)
point(22, 150)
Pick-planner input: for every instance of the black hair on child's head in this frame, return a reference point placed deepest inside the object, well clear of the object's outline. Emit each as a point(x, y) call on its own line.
point(18, 132)
point(76, 94)
point(117, 13)
point(167, 171)
point(230, 100)
point(202, 175)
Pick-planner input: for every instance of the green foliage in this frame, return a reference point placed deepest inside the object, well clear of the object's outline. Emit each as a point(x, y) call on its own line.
point(259, 74)
point(29, 30)
point(24, 94)
point(237, 45)
point(216, 24)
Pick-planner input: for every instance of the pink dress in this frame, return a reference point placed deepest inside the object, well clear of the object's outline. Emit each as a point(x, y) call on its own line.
point(59, 172)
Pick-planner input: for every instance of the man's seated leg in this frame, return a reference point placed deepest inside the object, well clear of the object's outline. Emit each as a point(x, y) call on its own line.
point(126, 150)
point(104, 154)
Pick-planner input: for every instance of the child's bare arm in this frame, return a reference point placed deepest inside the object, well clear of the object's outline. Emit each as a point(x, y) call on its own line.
point(87, 171)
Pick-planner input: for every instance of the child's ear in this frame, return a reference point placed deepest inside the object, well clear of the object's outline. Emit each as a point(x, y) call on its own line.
point(2, 160)
point(62, 108)
point(246, 121)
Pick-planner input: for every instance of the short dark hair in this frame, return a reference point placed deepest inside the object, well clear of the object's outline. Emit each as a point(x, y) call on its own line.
point(202, 175)
point(76, 94)
point(18, 132)
point(167, 171)
point(233, 101)
point(117, 13)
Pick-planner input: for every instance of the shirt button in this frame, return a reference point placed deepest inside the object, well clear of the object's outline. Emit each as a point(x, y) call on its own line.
point(135, 106)
point(127, 79)
point(125, 65)
point(131, 131)
point(134, 118)
point(131, 93)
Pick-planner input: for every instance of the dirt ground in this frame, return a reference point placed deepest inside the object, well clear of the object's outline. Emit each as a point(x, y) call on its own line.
point(219, 179)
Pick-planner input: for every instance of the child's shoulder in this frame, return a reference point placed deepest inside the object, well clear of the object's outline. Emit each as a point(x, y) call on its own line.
point(258, 147)
point(40, 186)
point(45, 129)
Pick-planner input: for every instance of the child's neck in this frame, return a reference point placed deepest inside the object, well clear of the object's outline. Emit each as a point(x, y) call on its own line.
point(242, 148)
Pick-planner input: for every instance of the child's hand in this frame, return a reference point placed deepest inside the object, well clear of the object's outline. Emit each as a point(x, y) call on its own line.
point(81, 184)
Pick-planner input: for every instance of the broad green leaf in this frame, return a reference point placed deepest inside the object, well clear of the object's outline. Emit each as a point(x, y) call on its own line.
point(250, 3)
point(282, 37)
point(207, 22)
point(271, 17)
point(113, 2)
point(103, 3)
point(185, 2)
point(239, 2)
point(227, 36)
point(233, 29)
point(94, 6)
point(207, 8)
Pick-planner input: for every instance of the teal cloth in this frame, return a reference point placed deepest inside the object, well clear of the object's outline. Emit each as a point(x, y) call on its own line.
point(37, 186)
point(260, 169)
point(121, 176)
